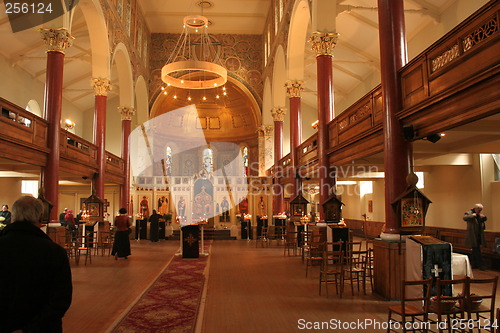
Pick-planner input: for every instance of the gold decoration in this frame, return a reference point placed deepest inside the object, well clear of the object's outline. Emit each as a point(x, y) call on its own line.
point(265, 130)
point(323, 43)
point(57, 39)
point(126, 112)
point(101, 86)
point(278, 114)
point(293, 88)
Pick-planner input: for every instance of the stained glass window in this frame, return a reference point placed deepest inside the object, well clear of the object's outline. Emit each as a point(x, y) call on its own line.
point(245, 160)
point(168, 161)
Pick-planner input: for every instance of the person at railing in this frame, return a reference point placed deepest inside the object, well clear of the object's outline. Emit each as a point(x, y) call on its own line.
point(36, 282)
point(70, 220)
point(62, 216)
point(5, 215)
point(475, 234)
point(154, 219)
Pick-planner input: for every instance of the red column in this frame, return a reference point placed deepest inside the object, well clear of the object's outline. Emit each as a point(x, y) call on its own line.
point(57, 40)
point(278, 116)
point(293, 90)
point(323, 44)
point(101, 88)
point(126, 115)
point(393, 56)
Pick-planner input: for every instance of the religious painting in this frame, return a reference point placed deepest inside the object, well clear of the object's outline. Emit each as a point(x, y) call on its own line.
point(370, 206)
point(412, 212)
point(181, 207)
point(163, 206)
point(203, 203)
point(145, 207)
point(261, 206)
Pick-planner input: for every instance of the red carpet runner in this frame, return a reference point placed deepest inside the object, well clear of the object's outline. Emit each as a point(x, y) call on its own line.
point(171, 304)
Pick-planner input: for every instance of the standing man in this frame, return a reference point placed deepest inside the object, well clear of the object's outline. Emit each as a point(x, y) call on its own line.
point(62, 217)
point(35, 283)
point(475, 234)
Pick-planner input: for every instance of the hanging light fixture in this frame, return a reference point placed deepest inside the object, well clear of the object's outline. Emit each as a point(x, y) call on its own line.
point(194, 64)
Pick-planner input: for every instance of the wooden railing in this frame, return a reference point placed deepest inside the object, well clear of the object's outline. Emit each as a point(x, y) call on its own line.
point(453, 82)
point(24, 138)
point(21, 127)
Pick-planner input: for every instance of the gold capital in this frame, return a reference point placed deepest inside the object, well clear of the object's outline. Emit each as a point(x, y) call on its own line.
point(293, 88)
point(278, 114)
point(101, 86)
point(265, 130)
point(126, 112)
point(323, 43)
point(57, 39)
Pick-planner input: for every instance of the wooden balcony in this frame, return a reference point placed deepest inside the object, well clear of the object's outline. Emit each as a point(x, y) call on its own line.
point(451, 83)
point(24, 139)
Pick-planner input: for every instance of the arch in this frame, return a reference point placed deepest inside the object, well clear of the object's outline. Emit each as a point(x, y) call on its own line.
point(267, 103)
point(34, 108)
point(98, 34)
point(297, 40)
point(124, 70)
point(279, 78)
point(141, 100)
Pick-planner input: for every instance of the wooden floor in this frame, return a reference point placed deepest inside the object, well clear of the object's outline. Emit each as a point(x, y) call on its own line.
point(249, 289)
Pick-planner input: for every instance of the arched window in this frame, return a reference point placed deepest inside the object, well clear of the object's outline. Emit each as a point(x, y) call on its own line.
point(168, 161)
point(208, 160)
point(245, 160)
point(34, 108)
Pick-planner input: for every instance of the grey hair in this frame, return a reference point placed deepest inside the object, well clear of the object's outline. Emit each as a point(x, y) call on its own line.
point(478, 205)
point(27, 208)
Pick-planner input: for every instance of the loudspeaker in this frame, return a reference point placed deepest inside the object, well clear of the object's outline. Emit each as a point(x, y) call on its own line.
point(434, 138)
point(408, 132)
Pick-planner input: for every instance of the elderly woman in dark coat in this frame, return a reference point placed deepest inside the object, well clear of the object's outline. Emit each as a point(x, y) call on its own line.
point(121, 246)
point(475, 233)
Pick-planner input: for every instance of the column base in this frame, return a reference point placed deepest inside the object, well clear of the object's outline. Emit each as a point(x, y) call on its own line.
point(389, 262)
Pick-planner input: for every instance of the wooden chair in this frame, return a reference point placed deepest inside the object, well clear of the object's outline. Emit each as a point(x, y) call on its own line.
point(86, 245)
point(306, 239)
point(331, 271)
point(369, 267)
point(290, 243)
point(414, 305)
point(355, 269)
point(105, 242)
point(69, 243)
point(263, 238)
point(480, 306)
point(448, 309)
point(315, 254)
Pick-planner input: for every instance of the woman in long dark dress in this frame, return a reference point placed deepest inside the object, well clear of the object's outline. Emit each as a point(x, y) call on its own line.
point(121, 246)
point(154, 226)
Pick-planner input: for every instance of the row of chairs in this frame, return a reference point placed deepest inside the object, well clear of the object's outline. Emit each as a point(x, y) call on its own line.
point(77, 244)
point(466, 311)
point(345, 263)
point(270, 234)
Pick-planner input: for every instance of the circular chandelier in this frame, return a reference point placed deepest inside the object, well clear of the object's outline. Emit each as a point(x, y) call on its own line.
point(194, 63)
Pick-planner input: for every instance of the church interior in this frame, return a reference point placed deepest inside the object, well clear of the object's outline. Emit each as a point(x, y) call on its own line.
point(253, 121)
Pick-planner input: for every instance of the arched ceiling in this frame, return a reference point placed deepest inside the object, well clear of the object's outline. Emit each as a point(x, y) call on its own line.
point(232, 117)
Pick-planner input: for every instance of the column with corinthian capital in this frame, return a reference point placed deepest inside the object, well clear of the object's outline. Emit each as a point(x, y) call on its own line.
point(126, 116)
point(278, 117)
point(57, 41)
point(101, 88)
point(293, 89)
point(265, 148)
point(323, 44)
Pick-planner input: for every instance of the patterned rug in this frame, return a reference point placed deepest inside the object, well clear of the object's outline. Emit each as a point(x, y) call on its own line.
point(171, 303)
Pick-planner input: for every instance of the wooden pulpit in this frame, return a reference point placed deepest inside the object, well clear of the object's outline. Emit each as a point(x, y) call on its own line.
point(191, 241)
